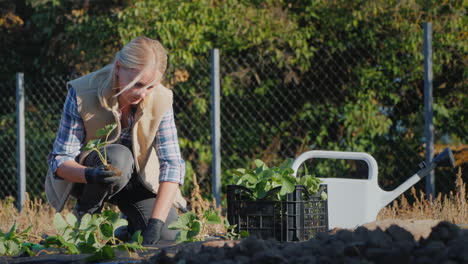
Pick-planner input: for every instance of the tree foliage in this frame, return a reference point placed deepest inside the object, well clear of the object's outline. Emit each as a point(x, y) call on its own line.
point(364, 56)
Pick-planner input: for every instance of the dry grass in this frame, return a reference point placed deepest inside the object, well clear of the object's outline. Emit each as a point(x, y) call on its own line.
point(452, 207)
point(35, 213)
point(199, 205)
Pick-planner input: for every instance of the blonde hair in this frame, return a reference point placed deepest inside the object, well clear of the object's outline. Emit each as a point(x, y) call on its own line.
point(141, 53)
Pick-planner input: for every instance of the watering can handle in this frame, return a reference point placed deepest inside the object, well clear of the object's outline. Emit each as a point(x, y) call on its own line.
point(371, 163)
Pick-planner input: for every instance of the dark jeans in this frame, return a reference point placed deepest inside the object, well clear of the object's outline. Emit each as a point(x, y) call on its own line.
point(132, 198)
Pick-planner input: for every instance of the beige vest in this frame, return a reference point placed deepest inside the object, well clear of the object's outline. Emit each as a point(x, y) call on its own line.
point(98, 108)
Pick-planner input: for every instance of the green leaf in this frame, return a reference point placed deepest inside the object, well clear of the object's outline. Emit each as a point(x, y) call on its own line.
point(238, 172)
point(244, 234)
point(181, 237)
point(249, 178)
point(11, 233)
point(59, 223)
point(71, 248)
point(106, 230)
point(51, 241)
point(133, 246)
point(2, 247)
point(212, 217)
point(108, 129)
point(86, 248)
point(71, 219)
point(287, 185)
point(27, 251)
point(267, 175)
point(324, 196)
point(92, 240)
point(92, 144)
point(120, 222)
point(137, 237)
point(101, 133)
point(111, 215)
point(105, 253)
point(69, 235)
point(184, 221)
point(194, 229)
point(105, 130)
point(261, 190)
point(259, 163)
point(13, 248)
point(287, 172)
point(287, 163)
point(85, 221)
point(101, 145)
point(226, 223)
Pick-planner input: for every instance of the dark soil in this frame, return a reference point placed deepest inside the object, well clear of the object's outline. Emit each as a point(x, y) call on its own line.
point(447, 244)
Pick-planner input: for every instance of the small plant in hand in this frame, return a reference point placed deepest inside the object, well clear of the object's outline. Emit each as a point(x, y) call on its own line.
point(263, 179)
point(97, 145)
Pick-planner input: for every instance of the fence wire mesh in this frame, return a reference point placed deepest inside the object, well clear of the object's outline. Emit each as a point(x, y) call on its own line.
point(8, 139)
point(268, 111)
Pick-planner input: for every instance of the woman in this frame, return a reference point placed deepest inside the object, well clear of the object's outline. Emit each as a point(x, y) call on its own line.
point(144, 146)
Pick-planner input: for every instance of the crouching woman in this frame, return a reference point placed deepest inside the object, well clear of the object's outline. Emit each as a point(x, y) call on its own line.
point(143, 148)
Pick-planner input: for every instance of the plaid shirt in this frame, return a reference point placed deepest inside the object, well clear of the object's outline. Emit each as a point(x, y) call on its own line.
point(71, 136)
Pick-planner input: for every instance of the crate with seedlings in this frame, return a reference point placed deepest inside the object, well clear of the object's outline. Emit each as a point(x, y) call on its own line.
point(271, 203)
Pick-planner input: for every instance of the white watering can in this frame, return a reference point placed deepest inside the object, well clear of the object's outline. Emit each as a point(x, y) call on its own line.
point(353, 202)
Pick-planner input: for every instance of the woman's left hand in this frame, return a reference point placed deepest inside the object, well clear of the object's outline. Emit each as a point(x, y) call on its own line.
point(152, 233)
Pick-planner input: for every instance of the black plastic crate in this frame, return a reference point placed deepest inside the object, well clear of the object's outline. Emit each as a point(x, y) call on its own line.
point(300, 217)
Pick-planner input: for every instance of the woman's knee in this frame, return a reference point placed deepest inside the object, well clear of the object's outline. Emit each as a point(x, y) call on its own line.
point(121, 158)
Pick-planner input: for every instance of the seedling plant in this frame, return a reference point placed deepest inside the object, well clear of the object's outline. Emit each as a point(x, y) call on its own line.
point(15, 243)
point(191, 226)
point(97, 145)
point(94, 234)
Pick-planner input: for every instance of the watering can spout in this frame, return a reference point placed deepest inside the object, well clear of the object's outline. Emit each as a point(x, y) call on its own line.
point(444, 159)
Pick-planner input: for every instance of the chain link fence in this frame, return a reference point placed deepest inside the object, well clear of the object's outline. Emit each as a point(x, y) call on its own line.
point(268, 111)
point(8, 138)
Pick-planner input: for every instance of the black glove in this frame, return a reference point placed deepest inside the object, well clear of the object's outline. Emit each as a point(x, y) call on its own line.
point(152, 233)
point(100, 175)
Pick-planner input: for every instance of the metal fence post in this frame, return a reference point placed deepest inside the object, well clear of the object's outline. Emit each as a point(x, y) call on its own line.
point(20, 140)
point(215, 126)
point(428, 108)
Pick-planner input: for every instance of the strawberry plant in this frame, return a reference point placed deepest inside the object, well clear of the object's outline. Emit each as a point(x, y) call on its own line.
point(96, 144)
point(14, 243)
point(94, 234)
point(263, 179)
point(231, 233)
point(191, 226)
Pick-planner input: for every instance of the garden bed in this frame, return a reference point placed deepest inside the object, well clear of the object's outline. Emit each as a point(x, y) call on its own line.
point(388, 241)
point(446, 243)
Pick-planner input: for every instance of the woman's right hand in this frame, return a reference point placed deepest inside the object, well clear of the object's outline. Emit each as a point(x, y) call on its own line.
point(100, 175)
